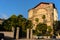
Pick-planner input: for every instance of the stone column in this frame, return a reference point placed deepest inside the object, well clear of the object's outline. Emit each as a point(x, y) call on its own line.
point(17, 33)
point(58, 34)
point(27, 33)
point(31, 34)
point(13, 31)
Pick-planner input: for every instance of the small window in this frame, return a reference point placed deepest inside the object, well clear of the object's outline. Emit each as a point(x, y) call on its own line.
point(43, 17)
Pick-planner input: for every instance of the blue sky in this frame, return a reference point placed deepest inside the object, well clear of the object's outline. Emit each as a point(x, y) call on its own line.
point(10, 7)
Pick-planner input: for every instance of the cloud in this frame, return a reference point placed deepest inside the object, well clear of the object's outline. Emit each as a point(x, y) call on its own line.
point(4, 16)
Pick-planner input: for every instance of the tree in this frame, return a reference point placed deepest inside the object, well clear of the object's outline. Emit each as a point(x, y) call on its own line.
point(29, 24)
point(10, 22)
point(17, 21)
point(56, 27)
point(57, 24)
point(6, 25)
point(21, 23)
point(13, 20)
point(48, 31)
point(24, 20)
point(41, 28)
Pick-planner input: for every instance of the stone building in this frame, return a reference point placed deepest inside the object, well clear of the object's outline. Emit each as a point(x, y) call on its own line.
point(55, 15)
point(1, 21)
point(44, 12)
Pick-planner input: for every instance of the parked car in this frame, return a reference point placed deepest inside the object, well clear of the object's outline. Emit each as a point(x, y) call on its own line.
point(1, 36)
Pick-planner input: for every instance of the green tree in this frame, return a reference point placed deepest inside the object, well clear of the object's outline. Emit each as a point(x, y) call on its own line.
point(29, 24)
point(56, 27)
point(21, 23)
point(41, 28)
point(10, 22)
point(48, 31)
point(17, 21)
point(13, 20)
point(20, 19)
point(6, 25)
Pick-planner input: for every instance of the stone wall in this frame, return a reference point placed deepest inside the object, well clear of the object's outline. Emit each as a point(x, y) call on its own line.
point(8, 34)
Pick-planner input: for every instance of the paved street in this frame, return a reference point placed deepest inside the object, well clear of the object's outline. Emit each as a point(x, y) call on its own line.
point(32, 39)
point(9, 38)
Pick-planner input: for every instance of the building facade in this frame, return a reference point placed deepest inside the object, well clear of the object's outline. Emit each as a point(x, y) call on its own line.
point(43, 12)
point(55, 15)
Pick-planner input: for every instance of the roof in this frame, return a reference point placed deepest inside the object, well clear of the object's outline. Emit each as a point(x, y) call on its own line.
point(45, 3)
